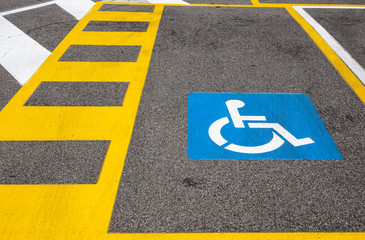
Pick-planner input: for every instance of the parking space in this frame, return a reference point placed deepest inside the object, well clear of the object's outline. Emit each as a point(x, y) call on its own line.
point(98, 143)
point(255, 51)
point(343, 26)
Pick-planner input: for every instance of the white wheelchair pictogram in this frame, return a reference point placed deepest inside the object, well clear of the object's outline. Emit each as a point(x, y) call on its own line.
point(238, 122)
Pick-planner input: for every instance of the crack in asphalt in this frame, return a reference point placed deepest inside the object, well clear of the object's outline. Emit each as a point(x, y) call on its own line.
point(46, 25)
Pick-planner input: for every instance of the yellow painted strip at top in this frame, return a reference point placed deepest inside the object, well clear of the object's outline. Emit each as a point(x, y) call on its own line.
point(336, 61)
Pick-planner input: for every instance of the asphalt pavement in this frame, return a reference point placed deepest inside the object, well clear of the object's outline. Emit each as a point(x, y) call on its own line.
point(214, 48)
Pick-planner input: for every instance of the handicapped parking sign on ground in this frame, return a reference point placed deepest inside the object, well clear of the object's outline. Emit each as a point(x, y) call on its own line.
point(256, 126)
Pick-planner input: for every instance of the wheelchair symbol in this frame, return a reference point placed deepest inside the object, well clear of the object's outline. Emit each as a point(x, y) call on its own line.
point(238, 122)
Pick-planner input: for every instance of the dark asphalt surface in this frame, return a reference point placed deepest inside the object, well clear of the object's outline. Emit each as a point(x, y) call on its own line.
point(347, 26)
point(127, 8)
point(109, 26)
point(51, 162)
point(101, 53)
point(9, 86)
point(205, 49)
point(78, 94)
point(208, 49)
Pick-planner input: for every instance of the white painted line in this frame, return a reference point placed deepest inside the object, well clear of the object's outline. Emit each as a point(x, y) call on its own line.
point(20, 55)
point(355, 67)
point(77, 8)
point(27, 8)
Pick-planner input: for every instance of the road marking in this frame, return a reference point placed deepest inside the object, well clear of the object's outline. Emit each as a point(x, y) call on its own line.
point(20, 55)
point(255, 2)
point(256, 126)
point(332, 42)
point(75, 211)
point(77, 8)
point(18, 10)
point(348, 75)
point(78, 212)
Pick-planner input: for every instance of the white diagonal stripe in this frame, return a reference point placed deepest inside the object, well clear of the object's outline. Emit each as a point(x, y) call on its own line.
point(20, 55)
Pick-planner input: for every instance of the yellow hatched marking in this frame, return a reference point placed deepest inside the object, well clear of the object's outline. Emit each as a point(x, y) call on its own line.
point(75, 211)
point(84, 211)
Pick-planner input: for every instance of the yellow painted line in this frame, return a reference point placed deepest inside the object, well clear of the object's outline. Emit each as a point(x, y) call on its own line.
point(78, 72)
point(42, 123)
point(336, 61)
point(74, 211)
point(255, 2)
point(274, 5)
point(83, 211)
point(230, 6)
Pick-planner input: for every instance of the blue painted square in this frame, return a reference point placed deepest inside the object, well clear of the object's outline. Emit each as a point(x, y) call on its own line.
point(256, 126)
